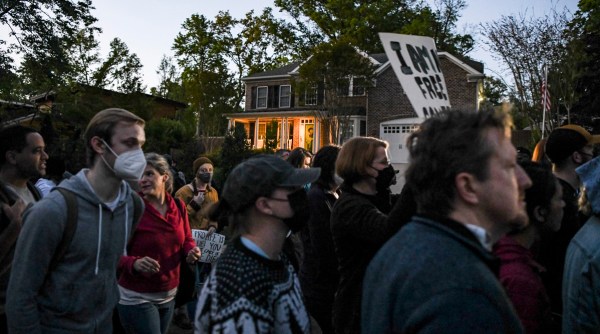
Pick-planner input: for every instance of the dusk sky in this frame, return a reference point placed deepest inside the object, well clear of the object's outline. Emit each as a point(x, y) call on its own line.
point(148, 27)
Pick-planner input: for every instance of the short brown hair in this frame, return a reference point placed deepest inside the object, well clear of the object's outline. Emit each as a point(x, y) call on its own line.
point(103, 124)
point(445, 145)
point(355, 156)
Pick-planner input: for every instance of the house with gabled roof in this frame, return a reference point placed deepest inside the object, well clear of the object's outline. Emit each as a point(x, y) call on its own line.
point(380, 109)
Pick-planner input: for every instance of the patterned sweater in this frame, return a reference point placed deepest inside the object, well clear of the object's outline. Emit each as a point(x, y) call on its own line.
point(247, 293)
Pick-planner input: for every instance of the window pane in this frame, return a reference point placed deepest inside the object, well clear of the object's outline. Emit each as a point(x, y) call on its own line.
point(343, 87)
point(261, 100)
point(284, 96)
point(311, 96)
point(358, 88)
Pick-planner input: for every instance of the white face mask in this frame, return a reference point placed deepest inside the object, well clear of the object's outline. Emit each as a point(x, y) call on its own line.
point(129, 165)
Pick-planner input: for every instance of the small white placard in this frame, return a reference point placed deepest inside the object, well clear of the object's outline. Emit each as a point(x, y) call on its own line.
point(211, 246)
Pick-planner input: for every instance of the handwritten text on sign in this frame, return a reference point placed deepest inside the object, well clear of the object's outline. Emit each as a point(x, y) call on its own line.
point(415, 62)
point(211, 246)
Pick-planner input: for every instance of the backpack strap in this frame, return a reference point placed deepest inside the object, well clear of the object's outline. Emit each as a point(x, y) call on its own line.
point(137, 212)
point(69, 230)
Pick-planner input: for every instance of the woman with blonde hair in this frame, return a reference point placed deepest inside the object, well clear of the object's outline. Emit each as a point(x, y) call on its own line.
point(149, 272)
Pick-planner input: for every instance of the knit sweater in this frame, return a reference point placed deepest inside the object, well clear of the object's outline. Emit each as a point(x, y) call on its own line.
point(166, 239)
point(247, 293)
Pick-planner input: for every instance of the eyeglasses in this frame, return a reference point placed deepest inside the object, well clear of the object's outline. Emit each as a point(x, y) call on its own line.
point(287, 198)
point(586, 154)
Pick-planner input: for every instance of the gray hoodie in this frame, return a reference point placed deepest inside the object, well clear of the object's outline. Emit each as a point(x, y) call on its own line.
point(79, 295)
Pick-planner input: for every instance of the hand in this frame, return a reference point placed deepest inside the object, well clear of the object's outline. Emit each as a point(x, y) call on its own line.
point(14, 212)
point(211, 230)
point(146, 266)
point(193, 255)
point(199, 198)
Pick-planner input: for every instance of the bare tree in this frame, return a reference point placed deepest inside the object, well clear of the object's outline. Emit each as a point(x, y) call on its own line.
point(525, 45)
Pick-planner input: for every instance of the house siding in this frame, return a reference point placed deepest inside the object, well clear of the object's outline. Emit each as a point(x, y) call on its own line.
point(387, 100)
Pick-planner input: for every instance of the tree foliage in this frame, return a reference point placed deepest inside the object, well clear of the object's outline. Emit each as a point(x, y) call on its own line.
point(235, 150)
point(330, 68)
point(359, 22)
point(216, 54)
point(583, 59)
point(495, 91)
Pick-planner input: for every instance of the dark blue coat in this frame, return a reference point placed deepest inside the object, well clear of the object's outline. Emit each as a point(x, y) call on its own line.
point(435, 277)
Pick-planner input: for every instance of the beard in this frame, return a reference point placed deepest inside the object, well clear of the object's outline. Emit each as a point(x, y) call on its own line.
point(520, 222)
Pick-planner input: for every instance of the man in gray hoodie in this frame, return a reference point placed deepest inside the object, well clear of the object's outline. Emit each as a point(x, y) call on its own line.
point(79, 292)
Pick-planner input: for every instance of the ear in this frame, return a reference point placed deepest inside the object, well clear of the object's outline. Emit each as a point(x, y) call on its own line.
point(540, 213)
point(11, 157)
point(97, 145)
point(577, 158)
point(165, 178)
point(467, 187)
point(263, 206)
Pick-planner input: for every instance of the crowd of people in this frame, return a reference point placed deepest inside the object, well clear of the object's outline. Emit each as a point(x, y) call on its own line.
point(483, 237)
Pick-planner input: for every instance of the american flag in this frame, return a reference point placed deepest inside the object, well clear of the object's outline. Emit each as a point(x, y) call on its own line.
point(545, 95)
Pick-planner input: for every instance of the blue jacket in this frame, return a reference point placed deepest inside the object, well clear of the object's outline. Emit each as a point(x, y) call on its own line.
point(581, 283)
point(80, 294)
point(434, 276)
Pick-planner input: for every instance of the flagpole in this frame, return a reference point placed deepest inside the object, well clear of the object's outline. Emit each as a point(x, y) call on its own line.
point(544, 94)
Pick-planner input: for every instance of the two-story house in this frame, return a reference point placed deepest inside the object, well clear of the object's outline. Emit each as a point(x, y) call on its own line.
point(381, 110)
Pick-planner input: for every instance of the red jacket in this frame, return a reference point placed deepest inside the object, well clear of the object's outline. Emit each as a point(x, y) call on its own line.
point(519, 274)
point(165, 239)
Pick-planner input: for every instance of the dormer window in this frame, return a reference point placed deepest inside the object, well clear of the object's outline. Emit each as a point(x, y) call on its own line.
point(285, 93)
point(261, 97)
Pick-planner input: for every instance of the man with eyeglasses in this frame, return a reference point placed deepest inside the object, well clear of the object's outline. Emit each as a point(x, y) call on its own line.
point(253, 287)
point(568, 147)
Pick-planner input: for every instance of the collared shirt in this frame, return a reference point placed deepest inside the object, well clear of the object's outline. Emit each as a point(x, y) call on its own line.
point(481, 235)
point(254, 247)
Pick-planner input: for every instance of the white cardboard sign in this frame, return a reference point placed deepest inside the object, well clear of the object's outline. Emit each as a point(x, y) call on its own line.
point(416, 64)
point(211, 247)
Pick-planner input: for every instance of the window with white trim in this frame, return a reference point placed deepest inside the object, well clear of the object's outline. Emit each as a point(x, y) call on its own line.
point(285, 94)
point(311, 96)
point(358, 87)
point(261, 97)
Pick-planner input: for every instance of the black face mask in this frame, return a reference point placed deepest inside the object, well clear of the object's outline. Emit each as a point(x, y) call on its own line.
point(385, 178)
point(205, 177)
point(299, 204)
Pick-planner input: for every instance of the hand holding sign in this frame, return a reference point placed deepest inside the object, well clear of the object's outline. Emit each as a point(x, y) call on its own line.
point(211, 245)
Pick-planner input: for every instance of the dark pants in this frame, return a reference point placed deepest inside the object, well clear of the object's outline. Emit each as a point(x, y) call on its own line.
point(3, 323)
point(146, 318)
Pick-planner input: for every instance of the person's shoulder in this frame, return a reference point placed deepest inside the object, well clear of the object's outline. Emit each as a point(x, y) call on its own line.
point(183, 191)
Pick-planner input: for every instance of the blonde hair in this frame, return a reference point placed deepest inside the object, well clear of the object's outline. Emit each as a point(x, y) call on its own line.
point(103, 124)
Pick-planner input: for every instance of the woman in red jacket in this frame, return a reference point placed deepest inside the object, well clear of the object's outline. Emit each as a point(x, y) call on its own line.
point(149, 271)
point(519, 272)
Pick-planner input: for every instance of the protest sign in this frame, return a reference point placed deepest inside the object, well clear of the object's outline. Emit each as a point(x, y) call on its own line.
point(416, 64)
point(211, 246)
